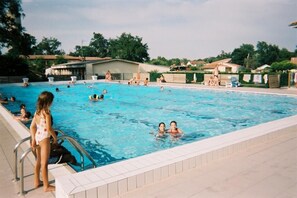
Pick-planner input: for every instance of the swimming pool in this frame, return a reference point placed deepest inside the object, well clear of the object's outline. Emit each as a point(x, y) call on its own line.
point(120, 127)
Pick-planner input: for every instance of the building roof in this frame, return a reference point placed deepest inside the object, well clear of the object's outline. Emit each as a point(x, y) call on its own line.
point(223, 62)
point(262, 67)
point(67, 57)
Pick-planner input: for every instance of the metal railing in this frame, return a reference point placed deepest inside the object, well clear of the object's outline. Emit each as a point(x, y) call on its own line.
point(71, 140)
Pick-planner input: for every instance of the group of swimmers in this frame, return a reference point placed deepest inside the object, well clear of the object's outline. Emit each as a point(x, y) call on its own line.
point(173, 130)
point(96, 97)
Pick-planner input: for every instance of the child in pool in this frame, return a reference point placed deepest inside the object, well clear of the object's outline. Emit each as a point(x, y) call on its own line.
point(161, 130)
point(174, 131)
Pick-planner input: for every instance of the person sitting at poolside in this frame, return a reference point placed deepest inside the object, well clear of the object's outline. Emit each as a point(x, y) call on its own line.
point(145, 82)
point(6, 100)
point(174, 131)
point(133, 81)
point(108, 76)
point(25, 118)
point(161, 130)
point(94, 97)
point(162, 79)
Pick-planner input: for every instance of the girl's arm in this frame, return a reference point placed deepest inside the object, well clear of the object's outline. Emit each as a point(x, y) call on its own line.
point(33, 129)
point(49, 127)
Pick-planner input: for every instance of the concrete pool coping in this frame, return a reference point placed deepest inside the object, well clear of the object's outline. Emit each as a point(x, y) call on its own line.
point(119, 178)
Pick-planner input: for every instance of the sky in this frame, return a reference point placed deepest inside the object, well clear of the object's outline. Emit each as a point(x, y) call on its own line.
point(189, 29)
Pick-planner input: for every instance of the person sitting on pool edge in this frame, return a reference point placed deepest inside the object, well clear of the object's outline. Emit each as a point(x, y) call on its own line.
point(161, 130)
point(25, 118)
point(6, 100)
point(174, 131)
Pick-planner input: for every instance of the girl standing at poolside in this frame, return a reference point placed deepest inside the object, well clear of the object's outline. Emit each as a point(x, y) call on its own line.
point(41, 130)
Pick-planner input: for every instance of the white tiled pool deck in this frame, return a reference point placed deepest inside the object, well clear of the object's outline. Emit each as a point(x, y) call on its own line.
point(260, 161)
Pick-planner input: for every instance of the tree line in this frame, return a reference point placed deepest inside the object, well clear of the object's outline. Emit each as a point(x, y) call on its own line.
point(126, 46)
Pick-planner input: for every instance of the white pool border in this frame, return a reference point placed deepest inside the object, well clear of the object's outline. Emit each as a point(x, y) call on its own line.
point(119, 178)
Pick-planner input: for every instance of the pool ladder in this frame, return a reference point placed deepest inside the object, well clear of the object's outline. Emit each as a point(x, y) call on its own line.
point(62, 137)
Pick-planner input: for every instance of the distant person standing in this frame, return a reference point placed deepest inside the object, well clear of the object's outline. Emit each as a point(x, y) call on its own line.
point(41, 131)
point(108, 76)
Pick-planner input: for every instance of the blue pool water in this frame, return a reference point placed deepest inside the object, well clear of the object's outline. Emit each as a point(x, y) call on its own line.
point(120, 126)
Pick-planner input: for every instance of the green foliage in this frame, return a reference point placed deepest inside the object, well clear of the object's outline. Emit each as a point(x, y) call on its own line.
point(159, 61)
point(267, 54)
point(243, 52)
point(99, 45)
point(39, 65)
point(154, 75)
point(60, 60)
point(13, 66)
point(283, 79)
point(128, 47)
point(282, 66)
point(189, 77)
point(200, 77)
point(12, 34)
point(49, 46)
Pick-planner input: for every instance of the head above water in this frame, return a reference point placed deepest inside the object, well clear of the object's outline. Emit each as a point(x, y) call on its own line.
point(173, 124)
point(44, 101)
point(162, 127)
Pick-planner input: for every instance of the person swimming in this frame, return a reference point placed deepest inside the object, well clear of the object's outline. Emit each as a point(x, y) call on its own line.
point(94, 97)
point(174, 131)
point(161, 130)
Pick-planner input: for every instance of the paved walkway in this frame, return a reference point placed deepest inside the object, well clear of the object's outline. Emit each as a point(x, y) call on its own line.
point(265, 171)
point(9, 188)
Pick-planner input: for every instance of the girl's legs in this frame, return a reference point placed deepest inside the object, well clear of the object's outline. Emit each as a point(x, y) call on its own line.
point(37, 181)
point(45, 151)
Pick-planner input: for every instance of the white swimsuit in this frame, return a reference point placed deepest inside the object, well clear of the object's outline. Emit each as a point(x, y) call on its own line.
point(41, 132)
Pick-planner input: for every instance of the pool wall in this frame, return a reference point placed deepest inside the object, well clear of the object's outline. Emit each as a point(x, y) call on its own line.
point(119, 178)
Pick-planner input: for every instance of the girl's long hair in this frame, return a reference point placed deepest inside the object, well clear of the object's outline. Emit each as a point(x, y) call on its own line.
point(44, 101)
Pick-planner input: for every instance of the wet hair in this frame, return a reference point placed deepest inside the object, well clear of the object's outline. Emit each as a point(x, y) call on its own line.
point(161, 124)
point(57, 89)
point(44, 101)
point(94, 96)
point(5, 99)
point(28, 114)
point(101, 96)
point(173, 122)
point(12, 98)
point(22, 106)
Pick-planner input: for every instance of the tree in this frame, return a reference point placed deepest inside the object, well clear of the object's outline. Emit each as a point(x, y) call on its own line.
point(49, 46)
point(159, 61)
point(282, 66)
point(128, 47)
point(240, 54)
point(25, 46)
point(285, 54)
point(267, 54)
point(99, 45)
point(12, 34)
